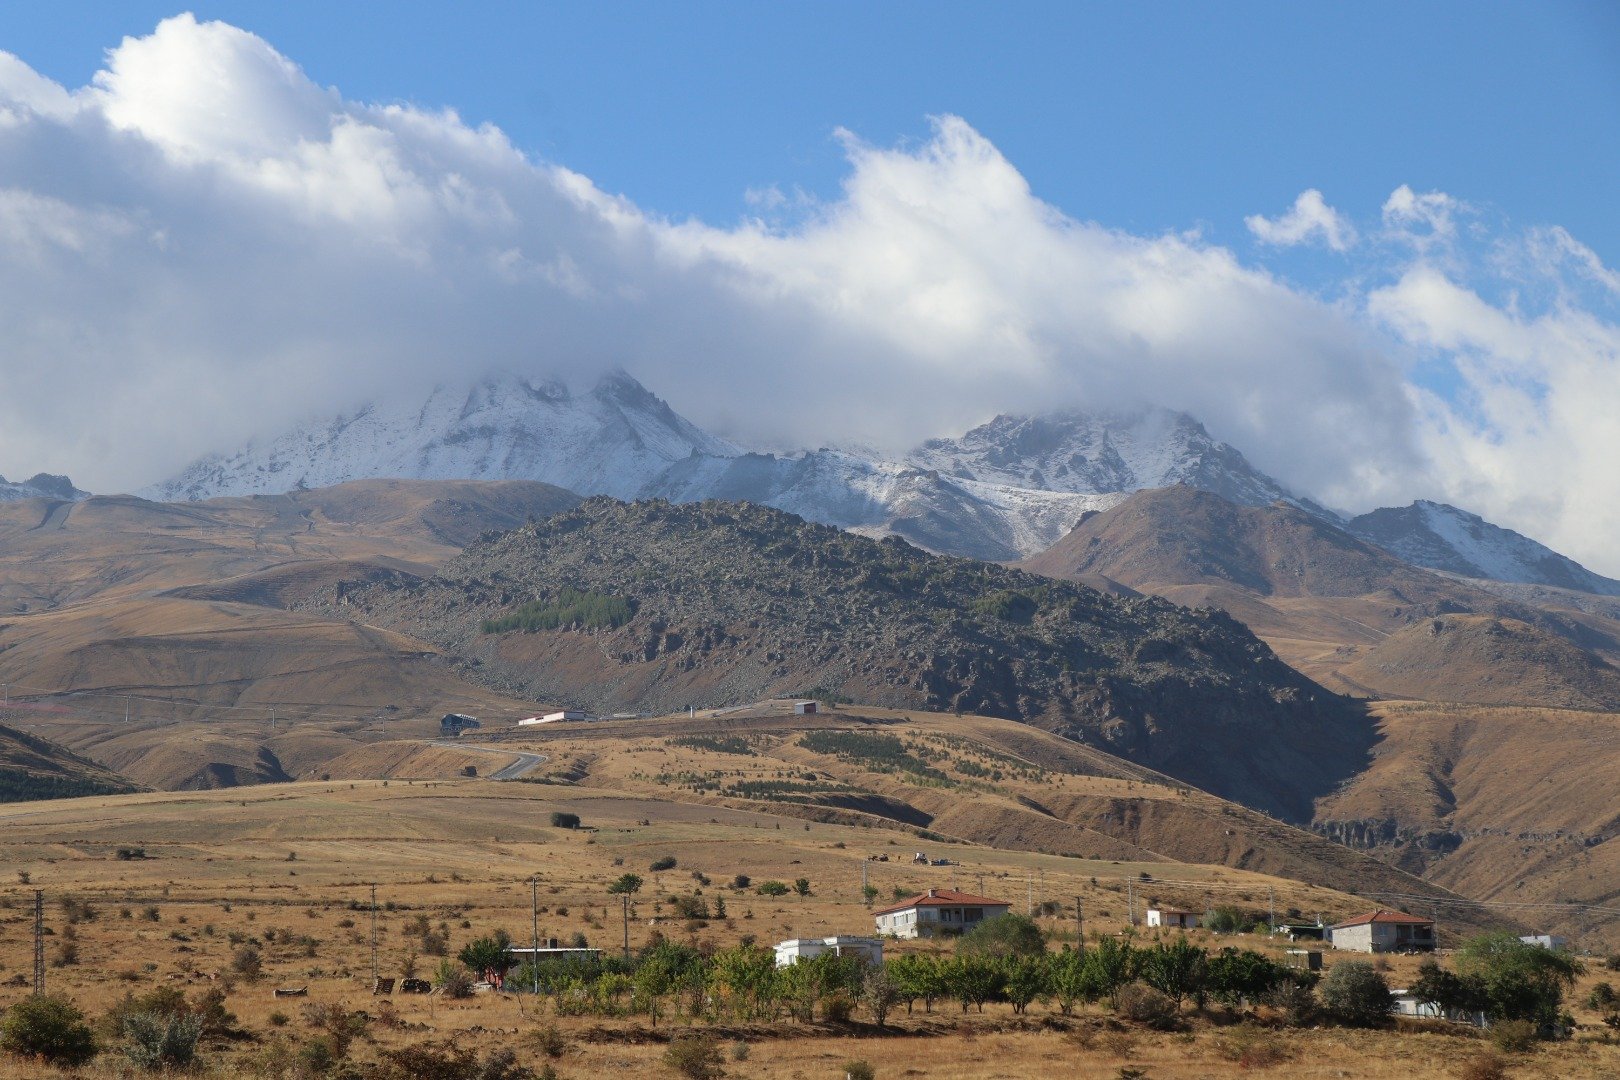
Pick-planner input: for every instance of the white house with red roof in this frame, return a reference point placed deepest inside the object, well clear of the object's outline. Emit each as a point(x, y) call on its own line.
point(937, 911)
point(1384, 931)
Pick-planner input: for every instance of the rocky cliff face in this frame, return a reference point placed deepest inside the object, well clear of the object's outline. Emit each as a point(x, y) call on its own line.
point(733, 602)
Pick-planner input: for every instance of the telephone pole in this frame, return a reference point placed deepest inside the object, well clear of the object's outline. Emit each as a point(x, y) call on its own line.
point(865, 899)
point(1079, 926)
point(39, 942)
point(1029, 895)
point(1271, 897)
point(374, 972)
point(1130, 899)
point(534, 920)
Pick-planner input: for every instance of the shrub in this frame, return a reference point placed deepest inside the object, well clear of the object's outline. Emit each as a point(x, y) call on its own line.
point(550, 1041)
point(1252, 1048)
point(741, 881)
point(628, 884)
point(562, 820)
point(162, 1042)
point(51, 1028)
point(773, 888)
point(1513, 1036)
point(247, 963)
point(837, 1008)
point(454, 981)
point(666, 862)
point(1354, 993)
point(1602, 997)
point(1484, 1066)
point(1226, 919)
point(1142, 1004)
point(695, 1056)
point(1003, 936)
point(858, 1070)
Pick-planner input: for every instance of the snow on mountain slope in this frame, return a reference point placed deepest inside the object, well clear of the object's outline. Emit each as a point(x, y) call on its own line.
point(1099, 452)
point(1443, 537)
point(611, 440)
point(835, 487)
point(41, 486)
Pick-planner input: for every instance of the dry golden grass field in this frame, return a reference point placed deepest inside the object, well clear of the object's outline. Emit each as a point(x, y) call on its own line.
point(289, 869)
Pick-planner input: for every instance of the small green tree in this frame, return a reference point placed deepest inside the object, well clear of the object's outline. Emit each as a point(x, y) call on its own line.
point(1175, 969)
point(1519, 981)
point(773, 888)
point(881, 991)
point(1072, 980)
point(563, 820)
point(1113, 965)
point(974, 979)
point(1027, 978)
point(50, 1028)
point(1003, 936)
point(801, 886)
point(486, 953)
point(919, 977)
point(162, 1042)
point(1354, 993)
point(627, 885)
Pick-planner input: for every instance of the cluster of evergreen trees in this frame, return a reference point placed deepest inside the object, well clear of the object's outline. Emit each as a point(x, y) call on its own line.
point(570, 609)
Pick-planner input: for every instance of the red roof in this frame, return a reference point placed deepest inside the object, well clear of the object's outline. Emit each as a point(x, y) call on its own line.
point(943, 898)
point(1382, 916)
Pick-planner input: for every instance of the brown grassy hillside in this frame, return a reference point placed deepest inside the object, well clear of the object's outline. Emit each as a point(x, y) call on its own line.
point(1343, 611)
point(1507, 804)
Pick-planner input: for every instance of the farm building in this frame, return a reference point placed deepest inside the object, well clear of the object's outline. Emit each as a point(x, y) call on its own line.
point(937, 911)
point(1546, 941)
point(1406, 1003)
point(1170, 917)
point(804, 708)
point(1384, 931)
point(796, 949)
point(554, 717)
point(453, 724)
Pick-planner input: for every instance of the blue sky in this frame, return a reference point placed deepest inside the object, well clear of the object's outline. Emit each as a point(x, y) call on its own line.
point(1373, 245)
point(1147, 117)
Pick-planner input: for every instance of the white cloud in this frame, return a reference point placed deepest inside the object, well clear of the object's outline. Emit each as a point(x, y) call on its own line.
point(203, 245)
point(1310, 218)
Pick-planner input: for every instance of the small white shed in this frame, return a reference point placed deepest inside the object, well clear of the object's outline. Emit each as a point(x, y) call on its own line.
point(795, 949)
point(1170, 917)
point(804, 708)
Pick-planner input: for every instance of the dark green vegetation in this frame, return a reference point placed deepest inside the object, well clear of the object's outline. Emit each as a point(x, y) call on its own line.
point(880, 753)
point(570, 609)
point(35, 768)
point(720, 744)
point(734, 603)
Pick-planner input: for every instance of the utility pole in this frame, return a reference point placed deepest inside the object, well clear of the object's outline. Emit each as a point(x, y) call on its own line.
point(534, 921)
point(1029, 894)
point(39, 942)
point(1079, 925)
point(626, 899)
point(1271, 898)
point(374, 972)
point(867, 900)
point(981, 884)
point(126, 708)
point(1130, 899)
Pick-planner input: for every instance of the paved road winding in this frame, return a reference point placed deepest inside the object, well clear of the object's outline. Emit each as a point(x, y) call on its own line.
point(523, 766)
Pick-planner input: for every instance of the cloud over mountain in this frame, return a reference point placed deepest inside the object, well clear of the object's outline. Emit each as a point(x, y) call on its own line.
point(203, 244)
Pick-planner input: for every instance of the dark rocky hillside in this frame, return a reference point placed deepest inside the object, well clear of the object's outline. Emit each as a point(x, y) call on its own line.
point(731, 602)
point(36, 768)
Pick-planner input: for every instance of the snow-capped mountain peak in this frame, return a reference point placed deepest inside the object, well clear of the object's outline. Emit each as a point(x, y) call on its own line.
point(41, 486)
point(1442, 537)
point(1099, 453)
point(611, 440)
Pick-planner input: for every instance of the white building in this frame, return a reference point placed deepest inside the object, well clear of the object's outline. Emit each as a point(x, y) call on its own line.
point(1384, 931)
point(1405, 1003)
point(804, 708)
point(555, 717)
point(937, 911)
point(1170, 917)
point(796, 949)
point(1546, 941)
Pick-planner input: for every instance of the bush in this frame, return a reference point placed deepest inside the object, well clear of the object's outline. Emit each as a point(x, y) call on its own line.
point(773, 888)
point(550, 1041)
point(51, 1028)
point(696, 1056)
point(571, 608)
point(741, 881)
point(561, 820)
point(247, 963)
point(859, 1070)
point(1142, 1004)
point(162, 1042)
point(1003, 936)
point(1484, 1066)
point(1354, 993)
point(1513, 1036)
point(666, 862)
point(837, 1008)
